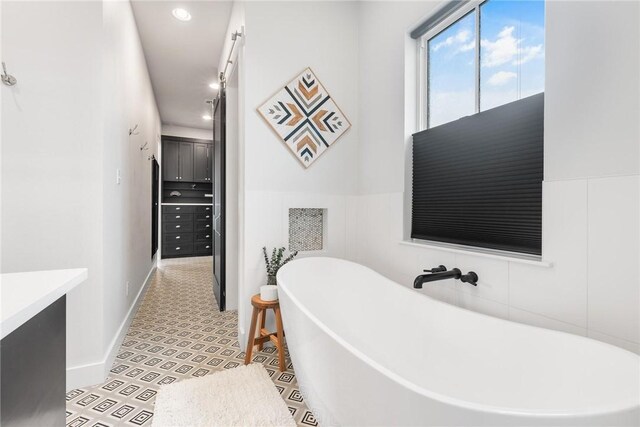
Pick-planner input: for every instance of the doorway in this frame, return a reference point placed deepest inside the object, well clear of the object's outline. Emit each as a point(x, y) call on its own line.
point(155, 190)
point(219, 199)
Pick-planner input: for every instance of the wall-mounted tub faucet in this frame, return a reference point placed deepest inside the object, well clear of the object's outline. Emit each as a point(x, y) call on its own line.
point(441, 273)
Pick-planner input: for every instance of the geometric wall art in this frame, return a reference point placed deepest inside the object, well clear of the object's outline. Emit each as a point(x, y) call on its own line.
point(305, 117)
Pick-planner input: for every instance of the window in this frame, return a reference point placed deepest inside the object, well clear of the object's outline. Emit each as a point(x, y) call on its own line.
point(451, 70)
point(478, 158)
point(482, 55)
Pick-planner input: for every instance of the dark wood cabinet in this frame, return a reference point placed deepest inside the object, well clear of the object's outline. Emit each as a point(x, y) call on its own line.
point(187, 222)
point(186, 230)
point(171, 161)
point(185, 160)
point(32, 363)
point(201, 162)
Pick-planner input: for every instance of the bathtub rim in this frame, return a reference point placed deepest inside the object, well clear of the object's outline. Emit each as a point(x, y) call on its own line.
point(625, 406)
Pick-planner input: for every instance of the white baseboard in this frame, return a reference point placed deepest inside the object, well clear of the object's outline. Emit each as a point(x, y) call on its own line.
point(242, 339)
point(84, 375)
point(95, 373)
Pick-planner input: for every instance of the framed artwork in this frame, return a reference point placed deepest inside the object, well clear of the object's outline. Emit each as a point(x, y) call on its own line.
point(305, 117)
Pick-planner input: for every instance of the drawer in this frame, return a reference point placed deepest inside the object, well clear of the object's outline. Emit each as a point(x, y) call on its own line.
point(177, 209)
point(178, 249)
point(177, 217)
point(175, 238)
point(203, 209)
point(177, 227)
point(204, 236)
point(204, 226)
point(204, 248)
point(204, 216)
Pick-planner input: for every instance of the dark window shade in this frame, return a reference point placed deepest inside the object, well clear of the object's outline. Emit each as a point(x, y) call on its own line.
point(477, 181)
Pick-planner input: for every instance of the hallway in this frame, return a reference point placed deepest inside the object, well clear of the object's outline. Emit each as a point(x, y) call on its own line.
point(177, 334)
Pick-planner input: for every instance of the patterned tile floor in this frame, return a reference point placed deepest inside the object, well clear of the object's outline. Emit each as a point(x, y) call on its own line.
point(177, 334)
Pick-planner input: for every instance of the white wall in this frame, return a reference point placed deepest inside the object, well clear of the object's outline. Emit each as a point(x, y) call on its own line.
point(52, 134)
point(591, 190)
point(82, 83)
point(273, 180)
point(232, 142)
point(186, 132)
point(235, 130)
point(127, 206)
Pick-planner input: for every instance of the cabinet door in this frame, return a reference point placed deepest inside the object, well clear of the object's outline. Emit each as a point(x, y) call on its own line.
point(200, 163)
point(209, 162)
point(171, 161)
point(186, 161)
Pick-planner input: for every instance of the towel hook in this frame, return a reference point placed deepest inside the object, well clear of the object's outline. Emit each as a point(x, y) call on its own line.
point(144, 147)
point(7, 79)
point(133, 131)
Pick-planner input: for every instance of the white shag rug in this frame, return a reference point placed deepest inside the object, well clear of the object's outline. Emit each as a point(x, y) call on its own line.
point(242, 396)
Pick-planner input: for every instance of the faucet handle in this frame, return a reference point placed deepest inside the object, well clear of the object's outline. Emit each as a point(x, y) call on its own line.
point(470, 278)
point(436, 269)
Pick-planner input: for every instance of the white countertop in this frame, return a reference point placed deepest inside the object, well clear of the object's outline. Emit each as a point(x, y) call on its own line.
point(187, 204)
point(23, 295)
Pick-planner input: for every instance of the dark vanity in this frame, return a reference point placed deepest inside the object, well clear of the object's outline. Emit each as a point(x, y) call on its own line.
point(187, 195)
point(33, 346)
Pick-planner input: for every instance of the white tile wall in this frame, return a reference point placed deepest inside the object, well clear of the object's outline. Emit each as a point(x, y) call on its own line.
point(590, 228)
point(559, 292)
point(614, 255)
point(529, 318)
point(481, 305)
point(493, 277)
point(629, 345)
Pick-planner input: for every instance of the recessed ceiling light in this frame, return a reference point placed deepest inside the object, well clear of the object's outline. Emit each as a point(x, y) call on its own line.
point(214, 86)
point(181, 14)
point(206, 117)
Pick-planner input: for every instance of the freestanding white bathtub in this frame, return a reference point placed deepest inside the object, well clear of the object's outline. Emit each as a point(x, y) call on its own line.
point(368, 351)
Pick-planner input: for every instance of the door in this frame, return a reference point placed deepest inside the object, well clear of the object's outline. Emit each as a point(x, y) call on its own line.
point(219, 153)
point(186, 161)
point(155, 187)
point(171, 161)
point(200, 163)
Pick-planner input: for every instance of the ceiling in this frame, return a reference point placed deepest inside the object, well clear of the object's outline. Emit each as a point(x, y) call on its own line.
point(182, 57)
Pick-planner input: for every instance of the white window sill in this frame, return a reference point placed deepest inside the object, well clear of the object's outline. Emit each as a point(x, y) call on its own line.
point(481, 252)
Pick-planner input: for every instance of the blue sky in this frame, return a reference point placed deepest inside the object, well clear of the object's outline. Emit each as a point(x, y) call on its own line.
point(512, 59)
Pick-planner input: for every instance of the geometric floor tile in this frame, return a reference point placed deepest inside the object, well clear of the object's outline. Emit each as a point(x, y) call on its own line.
point(177, 333)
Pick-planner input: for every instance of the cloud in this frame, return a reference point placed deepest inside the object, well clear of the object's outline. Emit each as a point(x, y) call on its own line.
point(467, 47)
point(460, 37)
point(501, 77)
point(529, 53)
point(507, 49)
point(448, 106)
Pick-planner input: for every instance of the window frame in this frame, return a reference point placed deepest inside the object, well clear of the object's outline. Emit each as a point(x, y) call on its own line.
point(421, 115)
point(423, 59)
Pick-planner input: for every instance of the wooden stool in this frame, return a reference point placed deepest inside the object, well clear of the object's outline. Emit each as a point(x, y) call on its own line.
point(260, 308)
